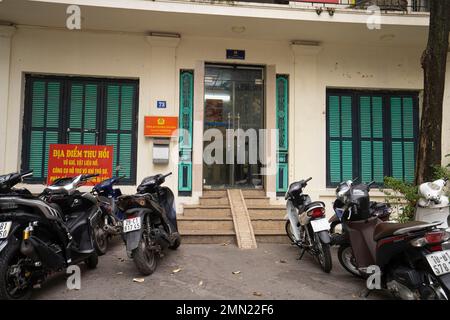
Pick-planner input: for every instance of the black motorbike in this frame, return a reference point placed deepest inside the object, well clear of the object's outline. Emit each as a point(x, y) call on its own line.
point(39, 237)
point(409, 257)
point(112, 216)
point(150, 223)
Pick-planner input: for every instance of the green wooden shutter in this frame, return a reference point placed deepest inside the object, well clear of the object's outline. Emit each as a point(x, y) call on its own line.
point(120, 109)
point(44, 105)
point(371, 138)
point(282, 107)
point(403, 137)
point(83, 108)
point(340, 138)
point(186, 109)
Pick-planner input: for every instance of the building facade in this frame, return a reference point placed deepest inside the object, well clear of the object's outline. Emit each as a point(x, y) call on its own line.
point(341, 85)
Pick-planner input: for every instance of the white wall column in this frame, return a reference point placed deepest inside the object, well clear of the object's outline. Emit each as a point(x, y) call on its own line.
point(197, 148)
point(308, 118)
point(6, 33)
point(162, 86)
point(271, 124)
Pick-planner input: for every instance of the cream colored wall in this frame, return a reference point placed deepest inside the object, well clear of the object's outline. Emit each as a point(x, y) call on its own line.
point(85, 54)
point(133, 56)
point(6, 33)
point(338, 66)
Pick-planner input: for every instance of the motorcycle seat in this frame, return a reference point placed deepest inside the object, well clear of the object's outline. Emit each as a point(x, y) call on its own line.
point(387, 229)
point(314, 204)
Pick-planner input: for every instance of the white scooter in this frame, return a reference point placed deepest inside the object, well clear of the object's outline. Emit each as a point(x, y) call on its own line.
point(433, 205)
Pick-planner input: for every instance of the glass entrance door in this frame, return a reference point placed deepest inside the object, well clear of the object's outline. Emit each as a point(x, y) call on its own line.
point(234, 107)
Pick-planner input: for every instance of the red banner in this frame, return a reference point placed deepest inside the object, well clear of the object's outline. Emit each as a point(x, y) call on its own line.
point(70, 160)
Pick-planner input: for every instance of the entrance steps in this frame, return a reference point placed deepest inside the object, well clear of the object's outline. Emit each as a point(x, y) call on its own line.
point(211, 221)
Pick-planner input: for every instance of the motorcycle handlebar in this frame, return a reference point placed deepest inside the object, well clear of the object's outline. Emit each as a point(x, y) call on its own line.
point(26, 173)
point(89, 176)
point(166, 175)
point(309, 179)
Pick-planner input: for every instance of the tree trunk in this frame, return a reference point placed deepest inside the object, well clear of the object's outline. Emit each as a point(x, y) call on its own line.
point(434, 62)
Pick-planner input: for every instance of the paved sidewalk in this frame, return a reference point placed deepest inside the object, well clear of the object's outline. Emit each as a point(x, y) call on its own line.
point(269, 272)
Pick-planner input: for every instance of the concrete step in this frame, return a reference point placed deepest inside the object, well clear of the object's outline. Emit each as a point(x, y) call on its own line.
point(269, 215)
point(257, 201)
point(216, 225)
point(208, 237)
point(267, 211)
point(271, 226)
point(207, 211)
point(211, 201)
point(253, 192)
point(215, 193)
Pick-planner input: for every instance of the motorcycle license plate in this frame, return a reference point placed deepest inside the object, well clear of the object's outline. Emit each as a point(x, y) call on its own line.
point(4, 229)
point(439, 262)
point(132, 224)
point(320, 225)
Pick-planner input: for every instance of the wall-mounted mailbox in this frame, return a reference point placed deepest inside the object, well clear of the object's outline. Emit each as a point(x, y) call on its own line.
point(161, 150)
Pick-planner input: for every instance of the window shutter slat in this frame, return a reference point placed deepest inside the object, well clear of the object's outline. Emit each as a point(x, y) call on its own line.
point(365, 116)
point(76, 106)
point(409, 161)
point(112, 107)
point(53, 102)
point(126, 111)
point(396, 118)
point(335, 161)
point(397, 160)
point(125, 154)
point(346, 117)
point(377, 117)
point(366, 161)
point(111, 140)
point(378, 162)
point(408, 125)
point(347, 160)
point(38, 104)
point(334, 117)
point(36, 147)
point(51, 138)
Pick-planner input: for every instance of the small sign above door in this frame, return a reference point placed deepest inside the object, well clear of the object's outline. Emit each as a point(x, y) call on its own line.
point(161, 104)
point(236, 54)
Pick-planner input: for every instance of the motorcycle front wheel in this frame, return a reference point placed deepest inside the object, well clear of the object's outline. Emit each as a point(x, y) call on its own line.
point(13, 277)
point(289, 232)
point(323, 254)
point(144, 258)
point(100, 238)
point(347, 260)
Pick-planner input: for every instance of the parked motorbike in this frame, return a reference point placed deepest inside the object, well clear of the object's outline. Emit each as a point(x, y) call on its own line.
point(433, 205)
point(377, 209)
point(39, 237)
point(112, 216)
point(150, 223)
point(408, 255)
point(306, 225)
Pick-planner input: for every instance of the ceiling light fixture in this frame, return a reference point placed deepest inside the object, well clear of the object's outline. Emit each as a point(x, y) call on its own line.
point(164, 34)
